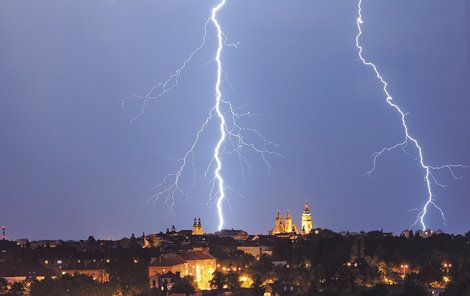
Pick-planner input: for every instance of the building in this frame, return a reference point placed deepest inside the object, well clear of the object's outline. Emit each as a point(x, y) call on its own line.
point(198, 264)
point(407, 233)
point(147, 242)
point(284, 227)
point(306, 223)
point(22, 242)
point(14, 273)
point(96, 272)
point(288, 228)
point(428, 233)
point(256, 251)
point(197, 227)
point(46, 244)
point(233, 233)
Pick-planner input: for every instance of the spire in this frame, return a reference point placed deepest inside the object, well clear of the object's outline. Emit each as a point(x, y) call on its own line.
point(306, 209)
point(195, 222)
point(307, 224)
point(278, 217)
point(288, 215)
point(199, 222)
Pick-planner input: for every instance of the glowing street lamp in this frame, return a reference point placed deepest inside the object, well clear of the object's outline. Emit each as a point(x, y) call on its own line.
point(404, 268)
point(447, 266)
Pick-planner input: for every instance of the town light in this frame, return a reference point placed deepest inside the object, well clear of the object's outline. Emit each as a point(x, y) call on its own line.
point(404, 268)
point(447, 266)
point(245, 281)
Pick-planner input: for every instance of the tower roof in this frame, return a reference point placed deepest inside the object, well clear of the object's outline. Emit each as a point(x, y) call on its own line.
point(306, 209)
point(288, 215)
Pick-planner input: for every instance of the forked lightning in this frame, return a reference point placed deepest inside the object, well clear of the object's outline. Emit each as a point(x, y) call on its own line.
point(429, 178)
point(231, 133)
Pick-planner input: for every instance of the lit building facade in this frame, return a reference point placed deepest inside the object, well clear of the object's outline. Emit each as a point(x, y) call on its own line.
point(198, 264)
point(98, 274)
point(306, 224)
point(284, 227)
point(197, 227)
point(287, 227)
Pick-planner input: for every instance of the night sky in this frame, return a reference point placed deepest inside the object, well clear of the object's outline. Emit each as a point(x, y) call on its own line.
point(71, 164)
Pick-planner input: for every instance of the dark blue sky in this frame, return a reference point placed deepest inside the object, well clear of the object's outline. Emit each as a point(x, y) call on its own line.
point(71, 165)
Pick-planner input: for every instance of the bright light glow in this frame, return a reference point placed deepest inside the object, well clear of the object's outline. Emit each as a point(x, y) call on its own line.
point(245, 281)
point(428, 170)
point(231, 133)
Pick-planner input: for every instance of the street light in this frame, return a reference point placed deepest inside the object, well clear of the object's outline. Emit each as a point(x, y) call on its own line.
point(447, 266)
point(404, 268)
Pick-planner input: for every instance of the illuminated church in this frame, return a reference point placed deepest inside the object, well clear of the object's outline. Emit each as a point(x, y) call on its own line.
point(287, 227)
point(197, 227)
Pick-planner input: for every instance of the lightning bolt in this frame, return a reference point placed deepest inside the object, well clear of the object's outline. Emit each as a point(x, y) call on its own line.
point(428, 170)
point(231, 132)
point(222, 126)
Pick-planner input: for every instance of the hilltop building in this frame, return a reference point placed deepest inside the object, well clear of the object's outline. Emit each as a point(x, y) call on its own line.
point(233, 233)
point(287, 227)
point(284, 227)
point(197, 227)
point(307, 224)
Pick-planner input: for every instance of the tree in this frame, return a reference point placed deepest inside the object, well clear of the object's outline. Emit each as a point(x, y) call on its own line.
point(77, 285)
point(377, 290)
point(125, 273)
point(16, 289)
point(44, 287)
point(413, 287)
point(257, 286)
point(3, 286)
point(263, 267)
point(164, 288)
point(232, 280)
point(184, 285)
point(218, 280)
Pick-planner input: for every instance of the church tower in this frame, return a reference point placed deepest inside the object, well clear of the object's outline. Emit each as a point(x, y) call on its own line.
point(199, 226)
point(195, 228)
point(288, 222)
point(278, 226)
point(307, 224)
point(289, 226)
